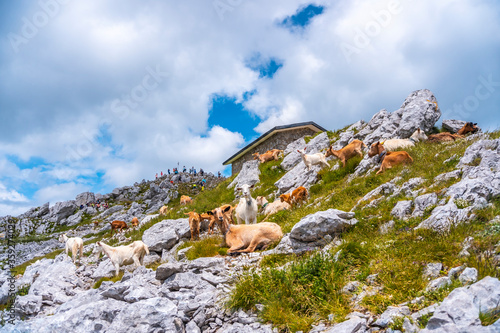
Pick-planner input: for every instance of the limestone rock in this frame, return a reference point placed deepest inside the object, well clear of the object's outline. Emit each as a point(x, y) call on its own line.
point(459, 312)
point(315, 227)
point(165, 234)
point(402, 209)
point(249, 174)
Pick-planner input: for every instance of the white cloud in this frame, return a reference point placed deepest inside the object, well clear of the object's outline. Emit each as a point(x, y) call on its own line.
point(10, 195)
point(95, 54)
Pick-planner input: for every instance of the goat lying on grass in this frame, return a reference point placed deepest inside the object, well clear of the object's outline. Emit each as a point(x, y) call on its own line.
point(125, 255)
point(469, 127)
point(73, 244)
point(393, 144)
point(390, 159)
point(247, 238)
point(270, 155)
point(273, 207)
point(352, 149)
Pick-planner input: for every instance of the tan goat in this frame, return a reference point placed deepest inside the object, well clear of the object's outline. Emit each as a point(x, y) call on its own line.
point(185, 200)
point(247, 238)
point(163, 210)
point(194, 224)
point(134, 222)
point(352, 149)
point(390, 159)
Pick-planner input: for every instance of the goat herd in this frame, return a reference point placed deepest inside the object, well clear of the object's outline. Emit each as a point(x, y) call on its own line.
point(248, 237)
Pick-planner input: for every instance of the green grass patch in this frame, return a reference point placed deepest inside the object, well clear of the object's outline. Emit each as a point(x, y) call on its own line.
point(113, 279)
point(294, 297)
point(20, 269)
point(490, 317)
point(205, 247)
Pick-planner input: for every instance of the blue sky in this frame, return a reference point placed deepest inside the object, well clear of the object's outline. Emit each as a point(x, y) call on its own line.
point(100, 94)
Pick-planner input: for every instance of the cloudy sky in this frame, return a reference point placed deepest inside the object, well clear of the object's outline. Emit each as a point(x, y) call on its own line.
point(100, 94)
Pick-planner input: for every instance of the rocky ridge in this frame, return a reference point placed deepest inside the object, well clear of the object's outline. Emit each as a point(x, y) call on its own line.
point(189, 296)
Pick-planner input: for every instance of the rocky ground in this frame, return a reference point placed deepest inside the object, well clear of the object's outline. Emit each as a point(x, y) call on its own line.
point(181, 295)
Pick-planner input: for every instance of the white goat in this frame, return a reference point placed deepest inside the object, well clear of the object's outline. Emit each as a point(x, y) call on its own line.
point(395, 144)
point(247, 207)
point(73, 244)
point(126, 254)
point(313, 159)
point(273, 207)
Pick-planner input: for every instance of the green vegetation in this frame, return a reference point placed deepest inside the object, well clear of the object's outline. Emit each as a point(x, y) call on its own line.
point(490, 317)
point(113, 279)
point(20, 269)
point(205, 247)
point(297, 291)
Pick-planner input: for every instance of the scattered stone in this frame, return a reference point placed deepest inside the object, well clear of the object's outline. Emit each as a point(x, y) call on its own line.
point(459, 312)
point(469, 275)
point(432, 270)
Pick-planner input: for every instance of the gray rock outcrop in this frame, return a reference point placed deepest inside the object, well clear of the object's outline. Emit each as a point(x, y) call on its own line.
point(459, 312)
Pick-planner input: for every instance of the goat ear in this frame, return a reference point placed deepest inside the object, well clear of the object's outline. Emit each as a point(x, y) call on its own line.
point(210, 212)
point(227, 209)
point(251, 186)
point(238, 189)
point(475, 124)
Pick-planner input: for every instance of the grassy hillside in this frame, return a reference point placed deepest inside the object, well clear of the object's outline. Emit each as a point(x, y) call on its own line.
point(298, 291)
point(308, 289)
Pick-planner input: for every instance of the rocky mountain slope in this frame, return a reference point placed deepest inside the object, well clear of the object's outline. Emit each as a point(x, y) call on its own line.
point(414, 249)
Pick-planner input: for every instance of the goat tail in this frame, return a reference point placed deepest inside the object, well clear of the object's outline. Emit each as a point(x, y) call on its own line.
point(410, 159)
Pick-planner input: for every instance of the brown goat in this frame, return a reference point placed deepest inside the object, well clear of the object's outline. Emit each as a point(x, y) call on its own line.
point(444, 137)
point(469, 127)
point(266, 157)
point(194, 224)
point(115, 225)
point(222, 215)
point(247, 238)
point(135, 222)
point(390, 159)
point(352, 149)
point(298, 195)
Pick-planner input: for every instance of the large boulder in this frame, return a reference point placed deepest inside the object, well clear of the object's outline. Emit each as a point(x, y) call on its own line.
point(249, 174)
point(298, 174)
point(62, 210)
point(318, 228)
point(453, 126)
point(459, 312)
point(292, 157)
point(443, 217)
point(84, 198)
point(164, 235)
point(481, 173)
